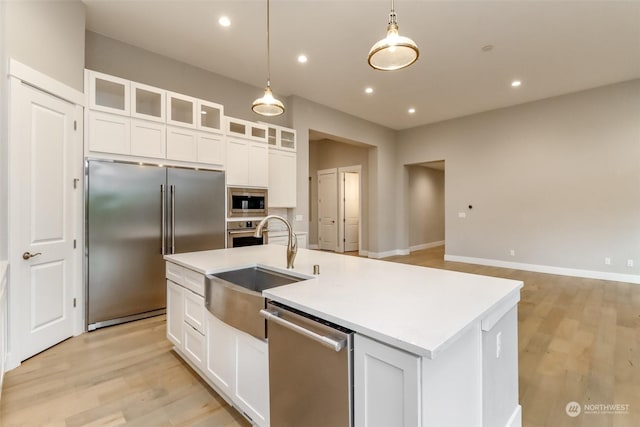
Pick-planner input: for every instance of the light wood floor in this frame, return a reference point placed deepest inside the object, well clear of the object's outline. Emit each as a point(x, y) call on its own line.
point(579, 340)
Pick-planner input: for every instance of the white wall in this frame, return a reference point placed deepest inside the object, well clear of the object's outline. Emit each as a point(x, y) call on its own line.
point(426, 206)
point(308, 115)
point(4, 100)
point(328, 154)
point(556, 180)
point(133, 63)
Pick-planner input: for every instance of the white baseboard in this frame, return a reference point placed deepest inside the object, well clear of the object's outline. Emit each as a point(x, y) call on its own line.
point(516, 418)
point(362, 252)
point(426, 245)
point(385, 254)
point(312, 246)
point(562, 271)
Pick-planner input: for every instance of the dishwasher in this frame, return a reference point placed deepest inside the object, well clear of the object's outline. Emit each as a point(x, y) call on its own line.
point(310, 369)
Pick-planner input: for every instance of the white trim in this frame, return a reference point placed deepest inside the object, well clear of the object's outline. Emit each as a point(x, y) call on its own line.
point(516, 418)
point(386, 254)
point(364, 253)
point(45, 83)
point(562, 271)
point(312, 246)
point(426, 245)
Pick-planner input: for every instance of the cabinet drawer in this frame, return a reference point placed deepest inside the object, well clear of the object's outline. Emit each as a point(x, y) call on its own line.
point(189, 279)
point(194, 346)
point(193, 281)
point(174, 273)
point(194, 310)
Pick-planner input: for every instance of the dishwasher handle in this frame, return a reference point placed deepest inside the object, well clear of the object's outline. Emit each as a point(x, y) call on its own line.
point(272, 315)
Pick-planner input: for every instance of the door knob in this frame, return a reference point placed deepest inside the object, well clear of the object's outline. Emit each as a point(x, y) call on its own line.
point(28, 255)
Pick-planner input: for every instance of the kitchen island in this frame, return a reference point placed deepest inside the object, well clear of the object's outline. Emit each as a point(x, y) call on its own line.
point(456, 333)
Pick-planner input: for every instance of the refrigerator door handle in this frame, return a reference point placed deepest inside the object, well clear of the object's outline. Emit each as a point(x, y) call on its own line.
point(163, 221)
point(173, 219)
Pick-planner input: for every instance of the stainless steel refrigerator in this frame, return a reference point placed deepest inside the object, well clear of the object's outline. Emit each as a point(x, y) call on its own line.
point(135, 214)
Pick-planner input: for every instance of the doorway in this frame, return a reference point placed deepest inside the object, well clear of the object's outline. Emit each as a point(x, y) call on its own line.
point(331, 153)
point(426, 205)
point(349, 210)
point(45, 144)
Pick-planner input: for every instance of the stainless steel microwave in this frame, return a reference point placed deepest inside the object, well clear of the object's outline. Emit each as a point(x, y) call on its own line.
point(246, 202)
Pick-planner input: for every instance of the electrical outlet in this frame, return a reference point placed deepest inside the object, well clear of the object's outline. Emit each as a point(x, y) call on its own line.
point(498, 344)
point(462, 215)
point(512, 252)
point(607, 261)
point(629, 263)
point(299, 217)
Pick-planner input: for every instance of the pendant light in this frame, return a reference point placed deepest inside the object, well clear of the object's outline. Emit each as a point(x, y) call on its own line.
point(394, 51)
point(268, 105)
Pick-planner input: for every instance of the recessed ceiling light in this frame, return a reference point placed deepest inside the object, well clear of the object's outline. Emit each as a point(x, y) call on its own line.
point(487, 48)
point(516, 83)
point(302, 59)
point(224, 21)
point(412, 110)
point(368, 90)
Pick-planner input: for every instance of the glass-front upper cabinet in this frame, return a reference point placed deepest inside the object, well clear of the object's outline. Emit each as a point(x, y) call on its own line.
point(108, 93)
point(247, 129)
point(281, 137)
point(147, 102)
point(210, 116)
point(181, 110)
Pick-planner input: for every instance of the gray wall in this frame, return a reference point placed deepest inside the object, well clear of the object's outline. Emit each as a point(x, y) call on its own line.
point(47, 36)
point(308, 115)
point(123, 60)
point(328, 154)
point(556, 180)
point(426, 205)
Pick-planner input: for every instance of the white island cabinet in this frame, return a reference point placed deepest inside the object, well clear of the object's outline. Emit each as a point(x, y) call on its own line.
point(232, 362)
point(431, 347)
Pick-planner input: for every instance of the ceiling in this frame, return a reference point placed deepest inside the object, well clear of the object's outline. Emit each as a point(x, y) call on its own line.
point(553, 47)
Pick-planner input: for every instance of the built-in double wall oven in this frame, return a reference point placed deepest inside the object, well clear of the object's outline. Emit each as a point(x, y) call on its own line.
point(245, 208)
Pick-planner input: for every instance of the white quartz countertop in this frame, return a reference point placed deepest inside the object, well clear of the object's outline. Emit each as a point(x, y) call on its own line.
point(421, 310)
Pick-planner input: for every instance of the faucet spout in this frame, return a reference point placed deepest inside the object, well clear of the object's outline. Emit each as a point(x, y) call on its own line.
point(292, 243)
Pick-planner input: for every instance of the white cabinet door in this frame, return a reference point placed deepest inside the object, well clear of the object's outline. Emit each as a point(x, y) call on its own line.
point(194, 310)
point(148, 139)
point(252, 376)
point(194, 346)
point(181, 110)
point(109, 133)
point(108, 93)
point(181, 144)
point(386, 385)
point(282, 179)
point(211, 149)
point(237, 161)
point(175, 313)
point(221, 352)
point(258, 165)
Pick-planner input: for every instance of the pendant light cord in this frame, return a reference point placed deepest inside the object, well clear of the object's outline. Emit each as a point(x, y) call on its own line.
point(268, 51)
point(392, 15)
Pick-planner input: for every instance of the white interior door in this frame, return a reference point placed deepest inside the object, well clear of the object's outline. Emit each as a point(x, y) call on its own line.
point(351, 210)
point(328, 209)
point(44, 143)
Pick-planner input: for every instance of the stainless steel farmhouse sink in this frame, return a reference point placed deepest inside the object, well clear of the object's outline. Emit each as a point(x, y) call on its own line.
point(235, 296)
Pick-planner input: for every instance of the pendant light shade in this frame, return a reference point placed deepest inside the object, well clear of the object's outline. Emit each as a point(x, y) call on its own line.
point(267, 105)
point(394, 51)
